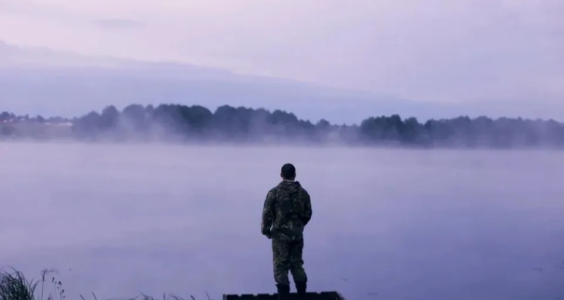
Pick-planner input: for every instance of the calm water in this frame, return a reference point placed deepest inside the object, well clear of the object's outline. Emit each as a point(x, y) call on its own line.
point(117, 220)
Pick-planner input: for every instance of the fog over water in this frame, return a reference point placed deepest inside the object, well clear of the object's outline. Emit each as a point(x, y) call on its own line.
point(406, 224)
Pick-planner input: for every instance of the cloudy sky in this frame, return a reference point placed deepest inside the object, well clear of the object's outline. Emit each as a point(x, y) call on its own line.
point(507, 51)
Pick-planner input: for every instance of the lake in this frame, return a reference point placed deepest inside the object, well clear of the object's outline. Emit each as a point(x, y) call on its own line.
point(387, 224)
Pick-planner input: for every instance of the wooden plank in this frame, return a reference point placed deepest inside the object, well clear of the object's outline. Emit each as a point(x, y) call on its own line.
point(291, 296)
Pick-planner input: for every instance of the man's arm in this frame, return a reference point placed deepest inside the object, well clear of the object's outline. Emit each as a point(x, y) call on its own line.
point(267, 214)
point(307, 212)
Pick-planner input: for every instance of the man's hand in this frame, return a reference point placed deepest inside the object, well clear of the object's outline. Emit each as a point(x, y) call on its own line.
point(268, 234)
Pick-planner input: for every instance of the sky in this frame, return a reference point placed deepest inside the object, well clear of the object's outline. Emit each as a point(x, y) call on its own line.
point(507, 52)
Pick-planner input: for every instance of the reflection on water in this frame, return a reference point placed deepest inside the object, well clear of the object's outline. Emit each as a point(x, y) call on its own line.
point(118, 220)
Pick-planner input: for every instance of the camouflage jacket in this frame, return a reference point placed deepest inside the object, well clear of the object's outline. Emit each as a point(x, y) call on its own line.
point(286, 211)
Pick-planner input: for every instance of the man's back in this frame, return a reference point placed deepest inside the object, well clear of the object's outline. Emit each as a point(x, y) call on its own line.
point(288, 208)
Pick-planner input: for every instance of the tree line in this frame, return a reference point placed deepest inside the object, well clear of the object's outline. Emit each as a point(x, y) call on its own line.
point(247, 125)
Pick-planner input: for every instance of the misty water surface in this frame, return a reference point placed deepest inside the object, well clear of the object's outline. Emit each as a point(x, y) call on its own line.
point(117, 220)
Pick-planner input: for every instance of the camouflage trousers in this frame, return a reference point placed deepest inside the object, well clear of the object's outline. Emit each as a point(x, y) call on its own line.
point(287, 256)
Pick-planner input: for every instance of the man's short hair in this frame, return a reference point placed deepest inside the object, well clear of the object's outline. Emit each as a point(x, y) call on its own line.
point(288, 172)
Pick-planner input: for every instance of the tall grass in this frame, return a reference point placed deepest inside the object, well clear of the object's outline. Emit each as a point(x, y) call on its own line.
point(15, 286)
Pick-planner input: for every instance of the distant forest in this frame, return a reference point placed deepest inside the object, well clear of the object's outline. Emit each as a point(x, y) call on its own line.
point(172, 122)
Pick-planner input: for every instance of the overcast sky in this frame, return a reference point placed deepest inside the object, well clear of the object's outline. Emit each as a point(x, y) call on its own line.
point(510, 51)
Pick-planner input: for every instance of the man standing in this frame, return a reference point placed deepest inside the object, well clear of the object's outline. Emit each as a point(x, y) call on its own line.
point(286, 211)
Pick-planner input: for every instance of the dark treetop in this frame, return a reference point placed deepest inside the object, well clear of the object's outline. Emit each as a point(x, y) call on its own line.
point(245, 125)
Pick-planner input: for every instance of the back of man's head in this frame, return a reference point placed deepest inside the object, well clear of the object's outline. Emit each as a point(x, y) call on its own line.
point(288, 172)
